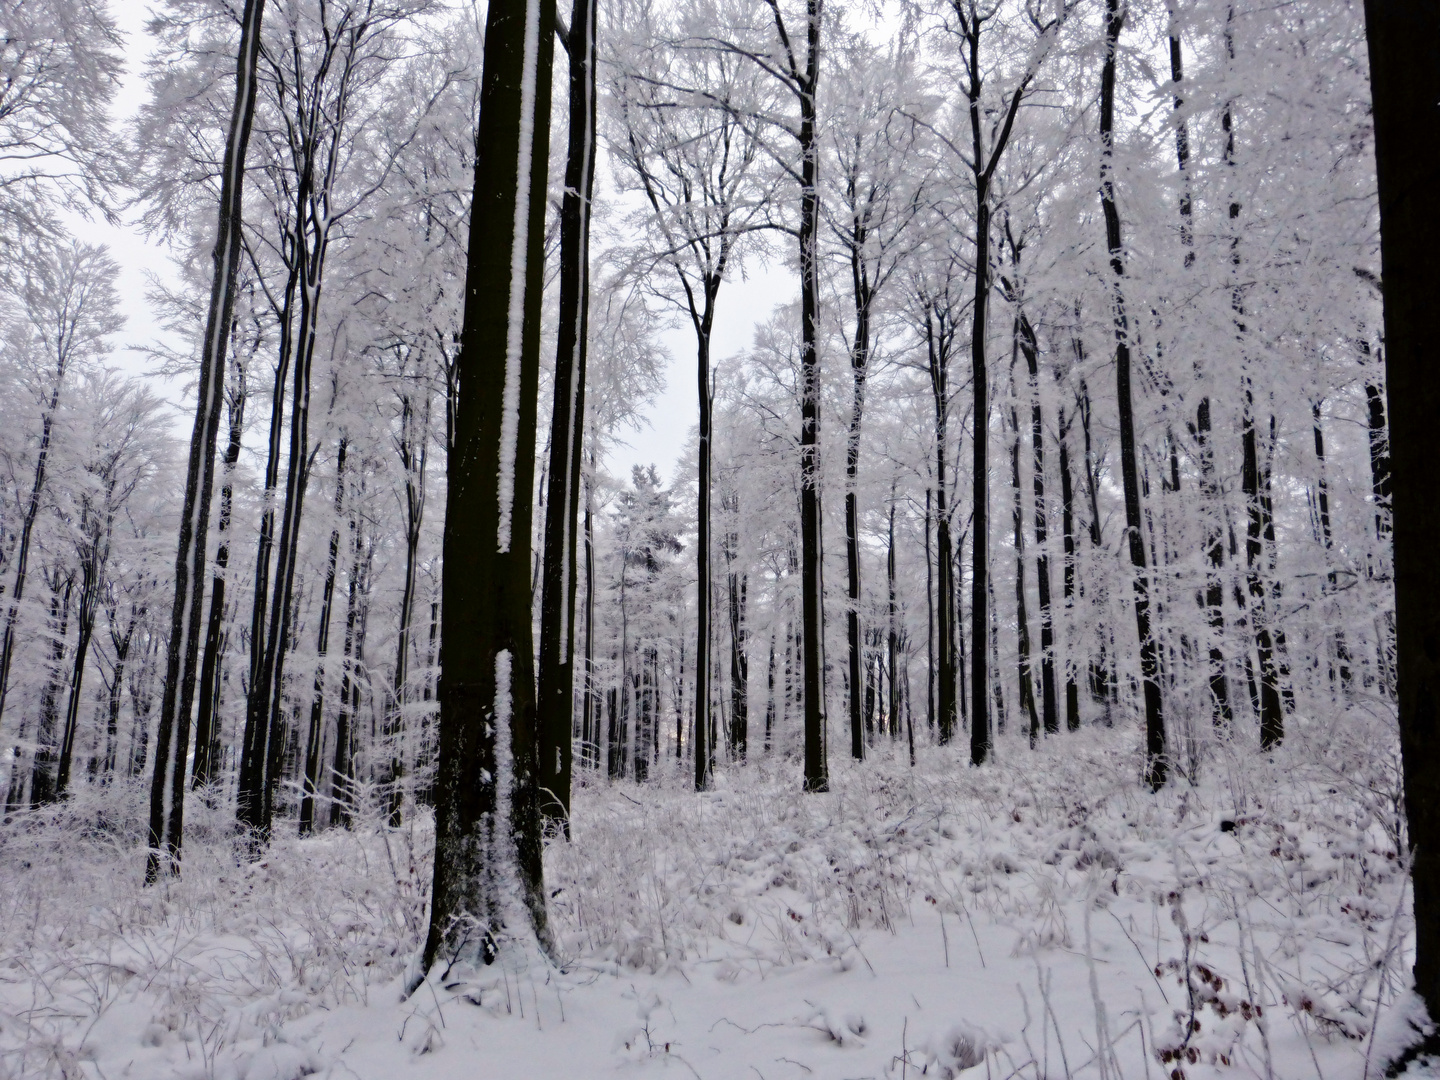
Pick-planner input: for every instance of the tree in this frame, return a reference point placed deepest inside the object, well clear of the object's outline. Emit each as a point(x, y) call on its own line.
point(67, 308)
point(873, 202)
point(697, 167)
point(1405, 82)
point(167, 791)
point(1156, 764)
point(992, 126)
point(60, 64)
point(555, 693)
point(488, 871)
point(121, 446)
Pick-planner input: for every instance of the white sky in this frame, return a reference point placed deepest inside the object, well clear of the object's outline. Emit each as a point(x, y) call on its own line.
point(671, 419)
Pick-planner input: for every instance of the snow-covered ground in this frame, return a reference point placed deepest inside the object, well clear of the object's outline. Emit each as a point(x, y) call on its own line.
point(1041, 917)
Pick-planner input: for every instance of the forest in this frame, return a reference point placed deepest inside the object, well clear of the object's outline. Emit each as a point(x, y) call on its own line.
point(1025, 660)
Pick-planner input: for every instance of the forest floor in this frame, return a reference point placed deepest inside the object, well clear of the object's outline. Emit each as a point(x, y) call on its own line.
point(1044, 916)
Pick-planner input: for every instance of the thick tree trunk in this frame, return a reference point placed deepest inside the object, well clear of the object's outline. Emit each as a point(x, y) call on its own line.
point(488, 871)
point(1405, 85)
point(556, 687)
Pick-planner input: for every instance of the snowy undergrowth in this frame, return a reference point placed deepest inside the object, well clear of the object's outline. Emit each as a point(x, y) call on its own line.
point(1043, 916)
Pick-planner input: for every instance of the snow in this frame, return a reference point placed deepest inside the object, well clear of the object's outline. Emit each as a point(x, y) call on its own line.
point(1040, 917)
point(515, 324)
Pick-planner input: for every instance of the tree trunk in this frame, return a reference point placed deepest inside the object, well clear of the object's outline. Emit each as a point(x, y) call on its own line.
point(43, 788)
point(1156, 763)
point(168, 785)
point(1030, 348)
point(488, 872)
point(937, 351)
point(342, 774)
point(1067, 529)
point(311, 784)
point(556, 688)
point(812, 587)
point(1022, 617)
point(207, 722)
point(1405, 85)
point(92, 574)
point(863, 295)
point(739, 658)
point(27, 529)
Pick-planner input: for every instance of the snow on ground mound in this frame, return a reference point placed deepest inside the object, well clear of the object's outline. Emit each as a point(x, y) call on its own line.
point(1041, 917)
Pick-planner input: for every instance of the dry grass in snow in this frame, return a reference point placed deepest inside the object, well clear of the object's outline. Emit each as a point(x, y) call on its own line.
point(1041, 917)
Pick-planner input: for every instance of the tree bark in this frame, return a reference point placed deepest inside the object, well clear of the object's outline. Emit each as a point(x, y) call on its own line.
point(1156, 763)
point(207, 729)
point(167, 790)
point(812, 587)
point(311, 784)
point(556, 688)
point(1067, 530)
point(488, 870)
point(1030, 349)
point(1405, 85)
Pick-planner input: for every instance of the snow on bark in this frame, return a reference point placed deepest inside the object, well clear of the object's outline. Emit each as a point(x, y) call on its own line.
point(514, 337)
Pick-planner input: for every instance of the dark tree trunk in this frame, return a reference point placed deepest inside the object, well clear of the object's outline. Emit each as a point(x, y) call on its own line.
point(1340, 671)
point(92, 579)
point(739, 659)
point(1022, 617)
point(929, 622)
point(592, 700)
point(207, 729)
point(43, 787)
point(555, 700)
point(1379, 457)
point(414, 455)
point(342, 774)
point(891, 636)
point(938, 338)
point(27, 529)
point(167, 791)
point(1067, 529)
point(701, 743)
point(812, 588)
point(1030, 348)
point(1272, 723)
point(311, 784)
point(1156, 763)
point(487, 706)
point(1405, 85)
point(863, 294)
